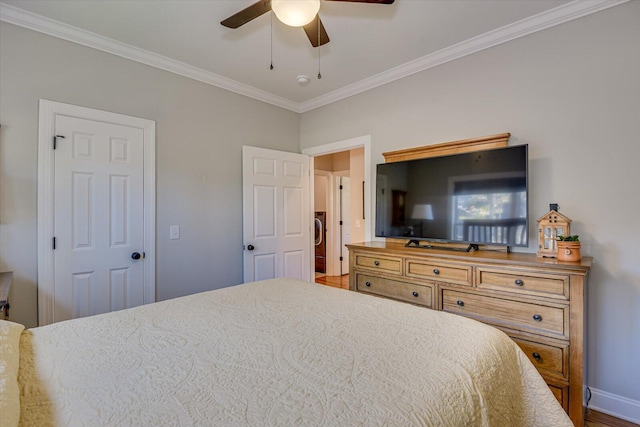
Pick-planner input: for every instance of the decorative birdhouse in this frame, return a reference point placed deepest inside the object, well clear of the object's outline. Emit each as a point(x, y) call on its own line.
point(550, 226)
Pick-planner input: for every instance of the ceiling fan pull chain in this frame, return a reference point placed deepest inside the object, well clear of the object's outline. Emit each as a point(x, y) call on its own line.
point(319, 75)
point(271, 66)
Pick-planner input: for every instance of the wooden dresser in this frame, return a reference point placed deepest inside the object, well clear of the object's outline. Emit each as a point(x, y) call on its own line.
point(538, 302)
point(5, 286)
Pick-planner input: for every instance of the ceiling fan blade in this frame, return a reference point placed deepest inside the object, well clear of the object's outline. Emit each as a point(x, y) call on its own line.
point(312, 32)
point(248, 14)
point(368, 1)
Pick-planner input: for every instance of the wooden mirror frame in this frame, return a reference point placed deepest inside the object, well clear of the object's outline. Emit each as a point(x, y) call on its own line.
point(446, 148)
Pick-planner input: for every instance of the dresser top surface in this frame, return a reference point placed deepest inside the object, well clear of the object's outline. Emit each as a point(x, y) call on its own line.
point(488, 256)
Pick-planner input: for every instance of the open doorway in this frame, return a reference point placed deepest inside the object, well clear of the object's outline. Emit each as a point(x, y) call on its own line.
point(339, 213)
point(360, 192)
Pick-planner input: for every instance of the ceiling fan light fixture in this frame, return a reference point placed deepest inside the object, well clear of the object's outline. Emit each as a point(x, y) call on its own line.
point(295, 13)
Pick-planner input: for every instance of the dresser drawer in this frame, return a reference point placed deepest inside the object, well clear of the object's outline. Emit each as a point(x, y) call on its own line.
point(550, 360)
point(562, 395)
point(546, 285)
point(380, 263)
point(552, 321)
point(451, 273)
point(409, 292)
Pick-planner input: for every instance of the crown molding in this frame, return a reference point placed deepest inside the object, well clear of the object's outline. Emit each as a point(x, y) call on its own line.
point(39, 23)
point(552, 17)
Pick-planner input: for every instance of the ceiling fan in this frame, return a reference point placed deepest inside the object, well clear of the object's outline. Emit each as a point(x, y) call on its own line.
point(296, 13)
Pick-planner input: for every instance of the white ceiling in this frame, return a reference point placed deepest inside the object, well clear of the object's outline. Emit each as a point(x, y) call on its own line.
point(371, 44)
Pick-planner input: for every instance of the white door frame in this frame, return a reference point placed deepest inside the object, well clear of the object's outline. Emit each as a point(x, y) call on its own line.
point(46, 128)
point(346, 145)
point(336, 264)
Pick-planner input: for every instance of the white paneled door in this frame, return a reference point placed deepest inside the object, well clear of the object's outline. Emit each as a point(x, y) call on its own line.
point(98, 217)
point(276, 214)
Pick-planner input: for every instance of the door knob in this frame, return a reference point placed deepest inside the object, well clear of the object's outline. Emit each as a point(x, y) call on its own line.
point(250, 247)
point(135, 255)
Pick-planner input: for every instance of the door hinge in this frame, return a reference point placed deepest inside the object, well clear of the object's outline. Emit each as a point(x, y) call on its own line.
point(53, 243)
point(55, 140)
point(341, 259)
point(340, 222)
point(340, 186)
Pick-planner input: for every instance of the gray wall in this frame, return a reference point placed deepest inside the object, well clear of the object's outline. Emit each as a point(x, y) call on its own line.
point(200, 130)
point(571, 92)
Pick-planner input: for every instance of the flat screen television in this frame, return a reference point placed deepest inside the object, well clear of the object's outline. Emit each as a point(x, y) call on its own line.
point(478, 198)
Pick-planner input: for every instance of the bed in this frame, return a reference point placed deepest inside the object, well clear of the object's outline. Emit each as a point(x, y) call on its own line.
point(274, 352)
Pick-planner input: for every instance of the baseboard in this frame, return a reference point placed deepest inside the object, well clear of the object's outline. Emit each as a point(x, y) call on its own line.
point(614, 405)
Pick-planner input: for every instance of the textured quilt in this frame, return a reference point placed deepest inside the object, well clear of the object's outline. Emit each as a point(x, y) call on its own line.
point(278, 352)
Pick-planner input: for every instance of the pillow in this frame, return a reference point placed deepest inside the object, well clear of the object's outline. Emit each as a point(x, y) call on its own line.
point(9, 361)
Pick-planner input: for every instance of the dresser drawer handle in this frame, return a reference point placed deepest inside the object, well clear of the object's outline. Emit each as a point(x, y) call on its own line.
point(536, 356)
point(367, 283)
point(460, 303)
point(519, 282)
point(537, 318)
point(415, 294)
point(376, 263)
point(436, 271)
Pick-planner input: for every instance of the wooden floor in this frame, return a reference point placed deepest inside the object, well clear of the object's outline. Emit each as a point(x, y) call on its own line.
point(592, 418)
point(334, 281)
point(598, 419)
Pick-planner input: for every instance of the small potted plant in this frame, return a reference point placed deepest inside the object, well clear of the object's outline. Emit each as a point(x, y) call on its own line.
point(568, 248)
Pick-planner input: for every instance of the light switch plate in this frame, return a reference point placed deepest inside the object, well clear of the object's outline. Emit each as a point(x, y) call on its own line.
point(174, 232)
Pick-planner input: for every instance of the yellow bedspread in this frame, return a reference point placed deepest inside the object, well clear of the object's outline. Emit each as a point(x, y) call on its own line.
point(279, 352)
